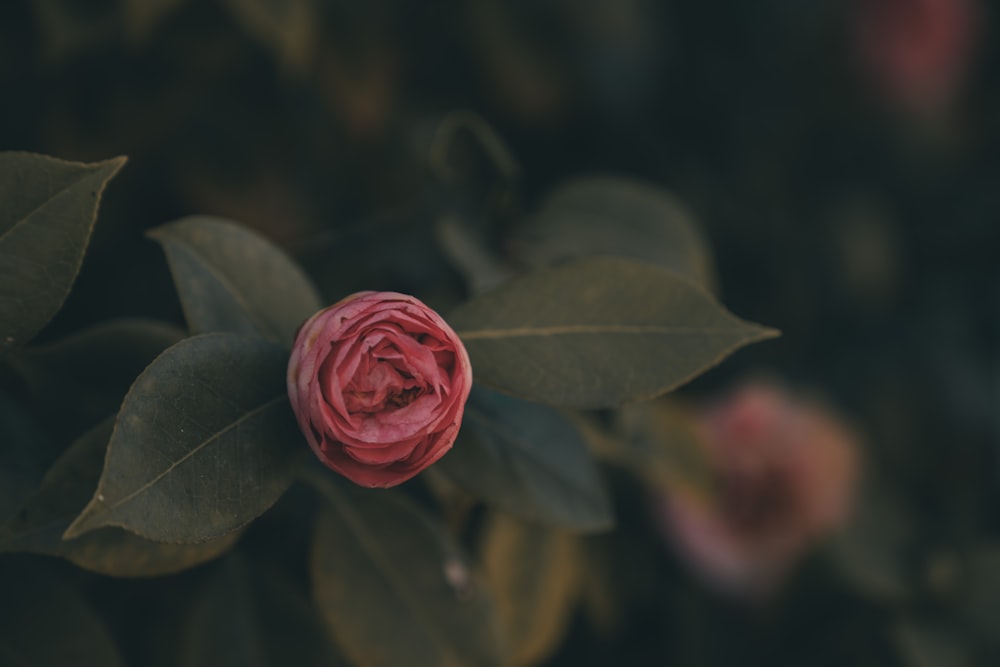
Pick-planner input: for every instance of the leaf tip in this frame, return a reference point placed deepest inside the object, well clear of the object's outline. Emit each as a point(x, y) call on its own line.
point(155, 234)
point(767, 333)
point(85, 521)
point(753, 332)
point(109, 168)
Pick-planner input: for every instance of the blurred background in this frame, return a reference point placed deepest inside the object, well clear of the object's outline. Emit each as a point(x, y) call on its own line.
point(841, 157)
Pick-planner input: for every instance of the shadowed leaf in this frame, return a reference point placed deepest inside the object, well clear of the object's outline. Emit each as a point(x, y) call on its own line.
point(597, 332)
point(246, 616)
point(44, 516)
point(232, 279)
point(47, 212)
point(46, 623)
point(85, 376)
point(529, 460)
point(615, 216)
point(205, 442)
point(536, 575)
point(392, 588)
point(461, 241)
point(657, 441)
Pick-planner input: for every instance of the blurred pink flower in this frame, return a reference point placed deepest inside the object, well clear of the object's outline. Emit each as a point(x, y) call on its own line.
point(916, 52)
point(784, 473)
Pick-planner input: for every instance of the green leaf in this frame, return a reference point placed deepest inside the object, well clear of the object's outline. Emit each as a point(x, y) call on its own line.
point(232, 279)
point(204, 443)
point(45, 623)
point(537, 577)
point(47, 212)
point(615, 216)
point(597, 332)
point(84, 377)
point(463, 244)
point(43, 517)
point(118, 553)
point(249, 616)
point(656, 441)
point(529, 460)
point(392, 588)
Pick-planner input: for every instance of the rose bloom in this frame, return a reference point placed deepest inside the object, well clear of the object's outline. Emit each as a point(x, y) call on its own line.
point(917, 52)
point(378, 383)
point(784, 475)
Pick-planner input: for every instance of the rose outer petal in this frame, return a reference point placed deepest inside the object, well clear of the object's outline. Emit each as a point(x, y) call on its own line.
point(410, 375)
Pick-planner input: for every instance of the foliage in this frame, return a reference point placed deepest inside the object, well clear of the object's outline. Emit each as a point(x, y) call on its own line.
point(158, 502)
point(203, 442)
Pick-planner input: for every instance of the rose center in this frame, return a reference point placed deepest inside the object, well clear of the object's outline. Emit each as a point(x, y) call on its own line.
point(758, 504)
point(380, 386)
point(403, 398)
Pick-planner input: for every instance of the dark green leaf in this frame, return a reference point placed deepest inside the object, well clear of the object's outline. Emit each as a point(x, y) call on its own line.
point(393, 589)
point(452, 164)
point(230, 278)
point(45, 623)
point(536, 575)
point(615, 216)
point(463, 244)
point(47, 211)
point(84, 377)
point(205, 442)
point(44, 516)
point(527, 459)
point(658, 442)
point(248, 616)
point(597, 332)
point(118, 553)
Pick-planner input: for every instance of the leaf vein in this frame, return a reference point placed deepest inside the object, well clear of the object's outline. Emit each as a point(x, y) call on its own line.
point(46, 202)
point(215, 436)
point(567, 329)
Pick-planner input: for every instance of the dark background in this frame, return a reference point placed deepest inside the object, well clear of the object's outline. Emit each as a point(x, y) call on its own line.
point(862, 226)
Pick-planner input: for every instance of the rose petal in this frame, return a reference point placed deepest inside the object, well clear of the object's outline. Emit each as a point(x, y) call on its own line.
point(378, 383)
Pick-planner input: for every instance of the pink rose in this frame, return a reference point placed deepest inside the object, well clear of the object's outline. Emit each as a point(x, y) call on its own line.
point(784, 475)
point(917, 52)
point(378, 383)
